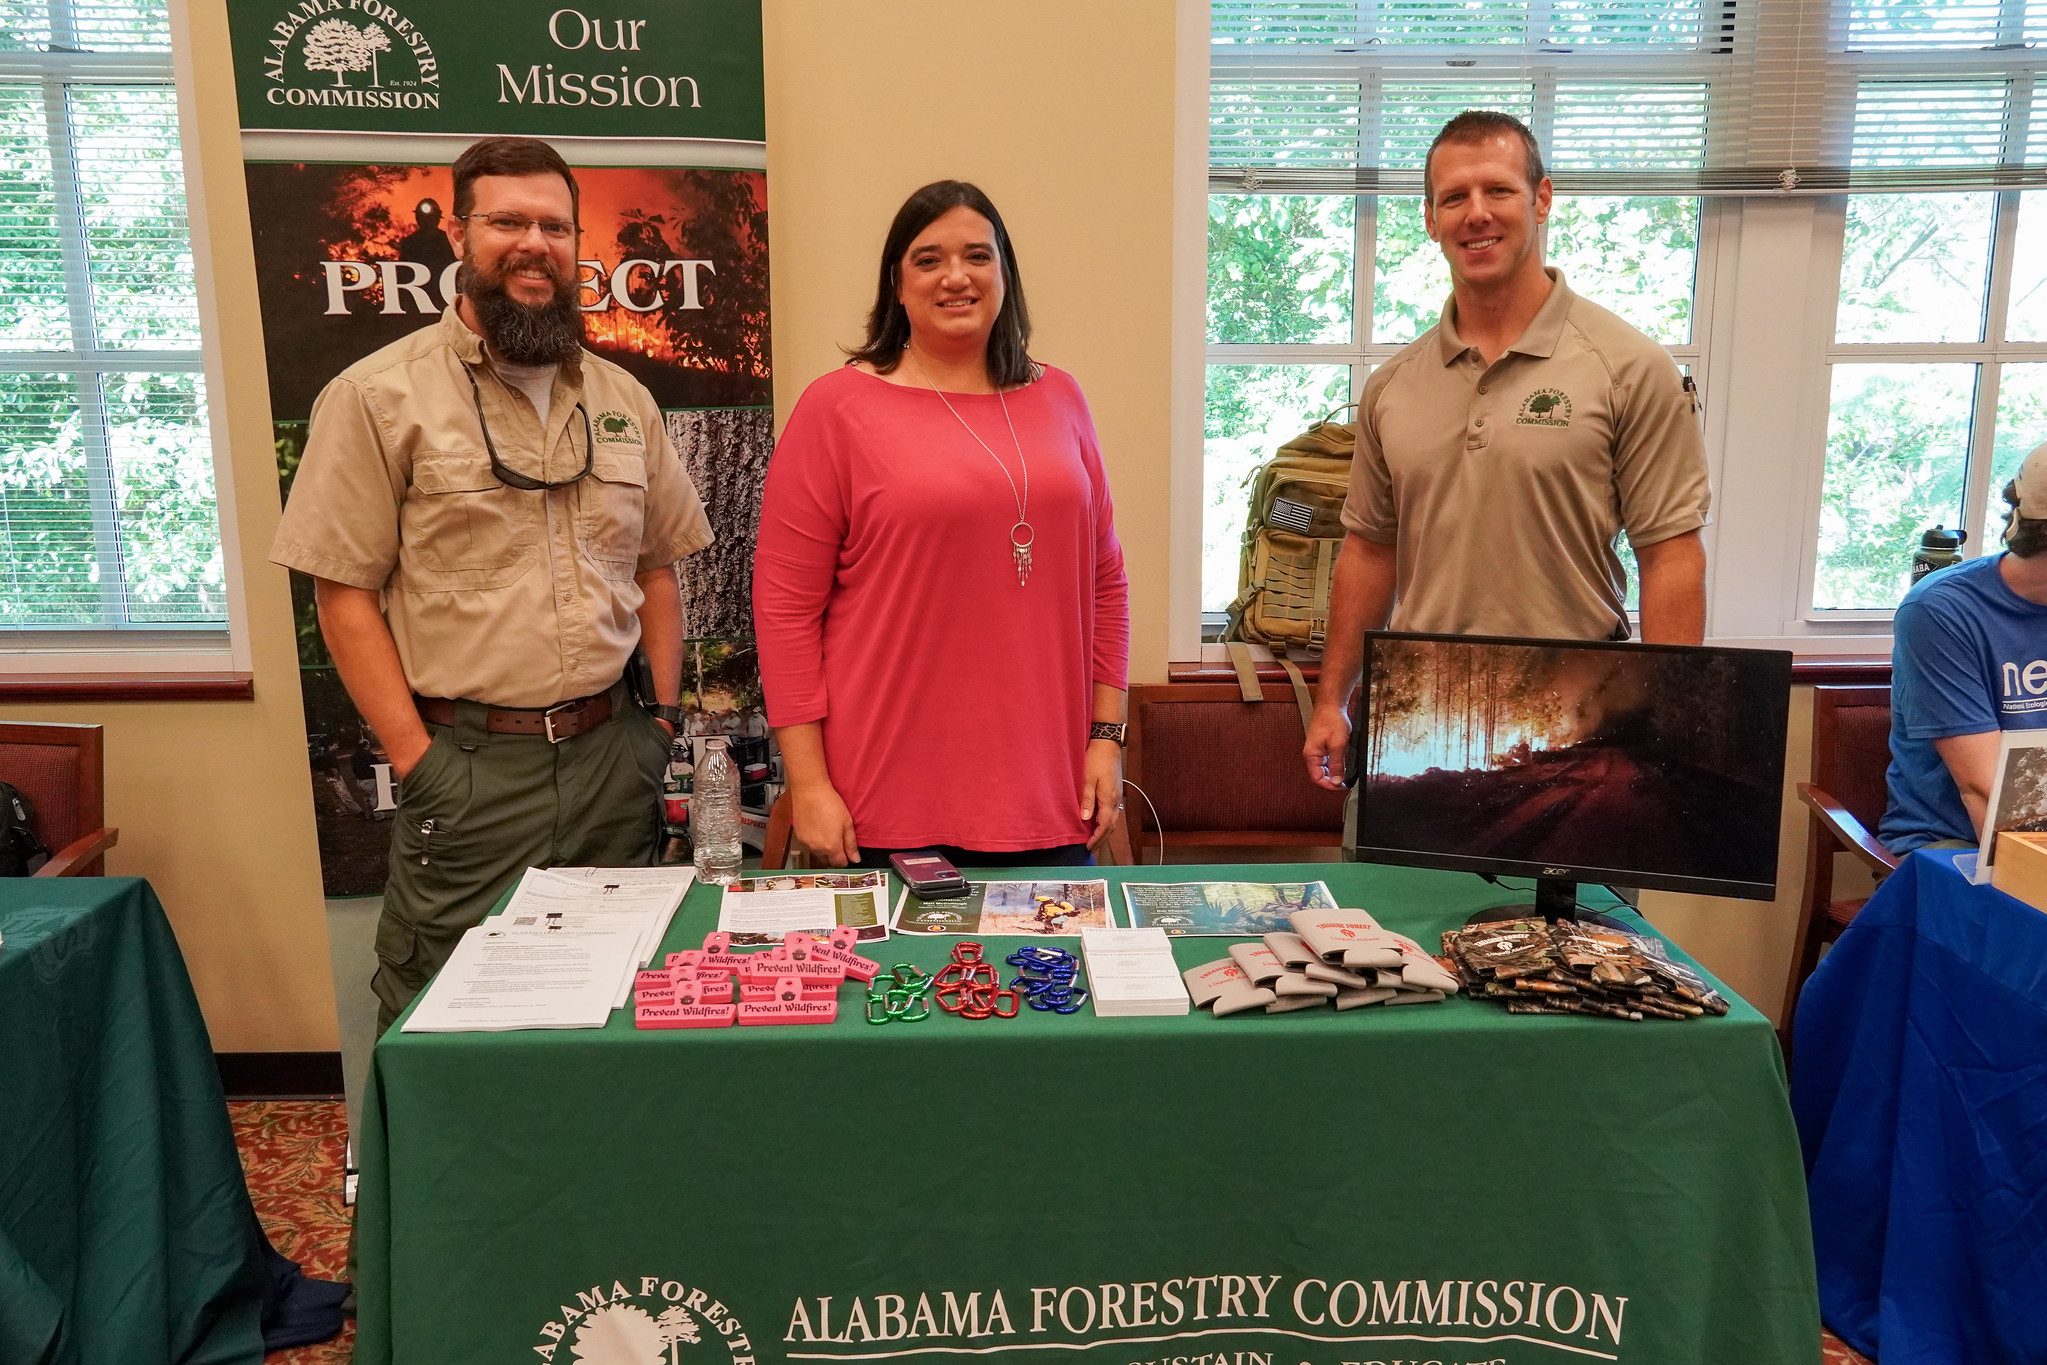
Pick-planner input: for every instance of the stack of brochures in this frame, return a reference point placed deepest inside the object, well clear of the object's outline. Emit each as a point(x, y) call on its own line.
point(561, 955)
point(1132, 972)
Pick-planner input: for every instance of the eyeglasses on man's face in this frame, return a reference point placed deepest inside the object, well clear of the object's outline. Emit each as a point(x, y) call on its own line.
point(514, 225)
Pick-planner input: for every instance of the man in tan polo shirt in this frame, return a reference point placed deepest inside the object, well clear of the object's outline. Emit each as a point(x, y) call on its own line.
point(1500, 454)
point(493, 515)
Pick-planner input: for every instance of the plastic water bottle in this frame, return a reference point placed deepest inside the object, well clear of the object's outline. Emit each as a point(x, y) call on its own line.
point(714, 815)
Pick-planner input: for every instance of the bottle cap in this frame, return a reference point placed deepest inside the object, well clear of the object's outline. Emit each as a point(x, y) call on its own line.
point(1940, 538)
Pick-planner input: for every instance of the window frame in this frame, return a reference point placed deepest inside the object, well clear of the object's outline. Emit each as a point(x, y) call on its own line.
point(1989, 354)
point(214, 652)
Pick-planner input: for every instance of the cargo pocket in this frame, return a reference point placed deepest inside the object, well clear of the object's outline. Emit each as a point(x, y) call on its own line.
point(397, 941)
point(612, 511)
point(461, 527)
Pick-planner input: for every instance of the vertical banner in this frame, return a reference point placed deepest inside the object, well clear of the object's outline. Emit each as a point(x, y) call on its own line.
point(353, 111)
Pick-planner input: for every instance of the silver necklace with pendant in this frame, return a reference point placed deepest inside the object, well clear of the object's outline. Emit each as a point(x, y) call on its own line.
point(1021, 535)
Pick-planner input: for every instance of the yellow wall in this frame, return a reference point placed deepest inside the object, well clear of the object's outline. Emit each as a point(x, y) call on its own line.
point(213, 799)
point(1062, 110)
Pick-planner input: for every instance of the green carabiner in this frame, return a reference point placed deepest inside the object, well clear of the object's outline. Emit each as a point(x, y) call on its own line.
point(885, 1017)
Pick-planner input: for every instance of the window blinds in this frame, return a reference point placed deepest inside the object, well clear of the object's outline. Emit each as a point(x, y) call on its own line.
point(1633, 97)
point(107, 514)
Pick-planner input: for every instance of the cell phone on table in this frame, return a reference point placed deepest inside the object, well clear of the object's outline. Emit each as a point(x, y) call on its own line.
point(929, 875)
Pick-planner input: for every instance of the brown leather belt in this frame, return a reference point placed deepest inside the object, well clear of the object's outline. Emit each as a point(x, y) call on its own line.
point(564, 720)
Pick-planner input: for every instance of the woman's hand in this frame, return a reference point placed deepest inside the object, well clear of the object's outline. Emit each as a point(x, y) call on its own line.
point(817, 813)
point(823, 825)
point(1101, 789)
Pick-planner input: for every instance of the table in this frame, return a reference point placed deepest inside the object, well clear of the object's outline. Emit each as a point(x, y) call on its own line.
point(126, 1232)
point(1920, 1088)
point(1377, 1186)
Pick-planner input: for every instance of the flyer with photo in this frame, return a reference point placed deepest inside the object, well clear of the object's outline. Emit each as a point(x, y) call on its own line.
point(1233, 909)
point(2018, 793)
point(1029, 909)
point(758, 911)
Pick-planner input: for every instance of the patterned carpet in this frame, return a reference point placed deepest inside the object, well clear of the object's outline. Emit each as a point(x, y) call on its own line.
point(292, 1151)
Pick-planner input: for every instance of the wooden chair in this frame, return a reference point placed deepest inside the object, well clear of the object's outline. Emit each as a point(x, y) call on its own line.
point(1222, 771)
point(61, 769)
point(1851, 749)
point(778, 841)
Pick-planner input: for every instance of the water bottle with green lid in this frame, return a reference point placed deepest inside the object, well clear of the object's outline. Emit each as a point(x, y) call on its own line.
point(1939, 549)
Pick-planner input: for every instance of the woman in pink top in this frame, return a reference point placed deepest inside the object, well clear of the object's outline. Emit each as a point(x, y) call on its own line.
point(938, 592)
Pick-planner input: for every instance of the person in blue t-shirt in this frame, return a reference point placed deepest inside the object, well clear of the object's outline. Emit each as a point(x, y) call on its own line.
point(1968, 659)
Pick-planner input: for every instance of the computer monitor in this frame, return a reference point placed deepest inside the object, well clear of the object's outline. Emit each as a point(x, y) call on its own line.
point(1653, 766)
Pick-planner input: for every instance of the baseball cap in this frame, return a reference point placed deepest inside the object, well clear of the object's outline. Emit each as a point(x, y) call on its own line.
point(2032, 483)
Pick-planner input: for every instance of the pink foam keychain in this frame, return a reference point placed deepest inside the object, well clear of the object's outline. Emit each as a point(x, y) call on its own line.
point(775, 965)
point(839, 949)
point(650, 986)
point(688, 957)
point(691, 1003)
point(717, 953)
point(788, 1007)
point(713, 988)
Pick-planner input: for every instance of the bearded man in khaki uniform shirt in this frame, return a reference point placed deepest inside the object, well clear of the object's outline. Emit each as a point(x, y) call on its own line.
point(1501, 453)
point(493, 516)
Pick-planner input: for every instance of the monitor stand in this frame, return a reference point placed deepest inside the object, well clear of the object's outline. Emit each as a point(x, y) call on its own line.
point(1555, 901)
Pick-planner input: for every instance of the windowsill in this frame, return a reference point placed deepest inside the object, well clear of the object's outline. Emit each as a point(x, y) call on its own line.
point(112, 686)
point(1807, 670)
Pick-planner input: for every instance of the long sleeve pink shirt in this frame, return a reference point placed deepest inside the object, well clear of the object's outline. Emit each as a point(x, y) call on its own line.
point(955, 702)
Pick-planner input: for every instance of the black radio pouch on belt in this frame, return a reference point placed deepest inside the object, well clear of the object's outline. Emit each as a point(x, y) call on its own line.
point(21, 851)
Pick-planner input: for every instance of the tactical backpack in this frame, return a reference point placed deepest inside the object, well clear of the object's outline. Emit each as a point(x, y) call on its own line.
point(21, 851)
point(1291, 535)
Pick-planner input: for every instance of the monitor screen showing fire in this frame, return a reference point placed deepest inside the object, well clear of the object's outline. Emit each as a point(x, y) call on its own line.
point(1656, 766)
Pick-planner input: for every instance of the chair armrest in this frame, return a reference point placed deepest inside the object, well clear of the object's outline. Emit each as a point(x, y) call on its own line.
point(1115, 850)
point(1847, 829)
point(775, 846)
point(67, 862)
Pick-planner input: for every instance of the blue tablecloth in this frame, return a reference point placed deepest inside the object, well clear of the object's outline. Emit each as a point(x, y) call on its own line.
point(1919, 1082)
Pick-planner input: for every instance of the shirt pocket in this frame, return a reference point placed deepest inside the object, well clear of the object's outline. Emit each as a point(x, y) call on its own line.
point(460, 527)
point(612, 510)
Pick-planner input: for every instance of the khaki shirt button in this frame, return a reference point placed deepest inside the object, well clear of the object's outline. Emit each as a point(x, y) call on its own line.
point(1479, 423)
point(1481, 388)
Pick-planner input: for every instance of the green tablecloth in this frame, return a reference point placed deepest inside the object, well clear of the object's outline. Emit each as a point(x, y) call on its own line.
point(1377, 1186)
point(126, 1232)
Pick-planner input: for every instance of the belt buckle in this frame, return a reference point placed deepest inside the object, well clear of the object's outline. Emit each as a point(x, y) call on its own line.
point(547, 720)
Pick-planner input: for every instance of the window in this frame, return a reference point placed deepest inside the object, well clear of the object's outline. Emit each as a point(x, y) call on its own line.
point(1835, 208)
point(1938, 367)
point(107, 515)
point(1319, 266)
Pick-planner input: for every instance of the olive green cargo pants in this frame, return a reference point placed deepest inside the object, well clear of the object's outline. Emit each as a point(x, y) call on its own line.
point(478, 809)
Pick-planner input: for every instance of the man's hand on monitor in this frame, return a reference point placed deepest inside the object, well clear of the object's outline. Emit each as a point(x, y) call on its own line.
point(1328, 743)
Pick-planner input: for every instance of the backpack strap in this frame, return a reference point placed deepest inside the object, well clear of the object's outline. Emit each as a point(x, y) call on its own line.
point(1325, 565)
point(1247, 681)
point(1247, 671)
point(1303, 698)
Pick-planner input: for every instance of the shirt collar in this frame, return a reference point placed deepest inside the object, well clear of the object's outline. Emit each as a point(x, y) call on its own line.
point(1538, 339)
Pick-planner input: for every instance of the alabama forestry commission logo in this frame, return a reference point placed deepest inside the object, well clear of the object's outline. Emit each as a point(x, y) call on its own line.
point(666, 1322)
point(1545, 408)
point(350, 54)
point(615, 428)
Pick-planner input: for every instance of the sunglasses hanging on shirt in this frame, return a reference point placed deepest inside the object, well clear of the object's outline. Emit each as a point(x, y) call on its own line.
point(512, 478)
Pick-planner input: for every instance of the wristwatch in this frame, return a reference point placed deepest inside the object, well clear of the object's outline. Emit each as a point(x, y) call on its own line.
point(1107, 729)
point(671, 714)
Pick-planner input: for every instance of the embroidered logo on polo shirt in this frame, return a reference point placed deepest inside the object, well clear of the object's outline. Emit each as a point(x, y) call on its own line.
point(1545, 408)
point(615, 428)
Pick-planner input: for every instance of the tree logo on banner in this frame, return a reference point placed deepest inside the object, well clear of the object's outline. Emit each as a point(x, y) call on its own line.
point(613, 1325)
point(339, 46)
point(313, 40)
